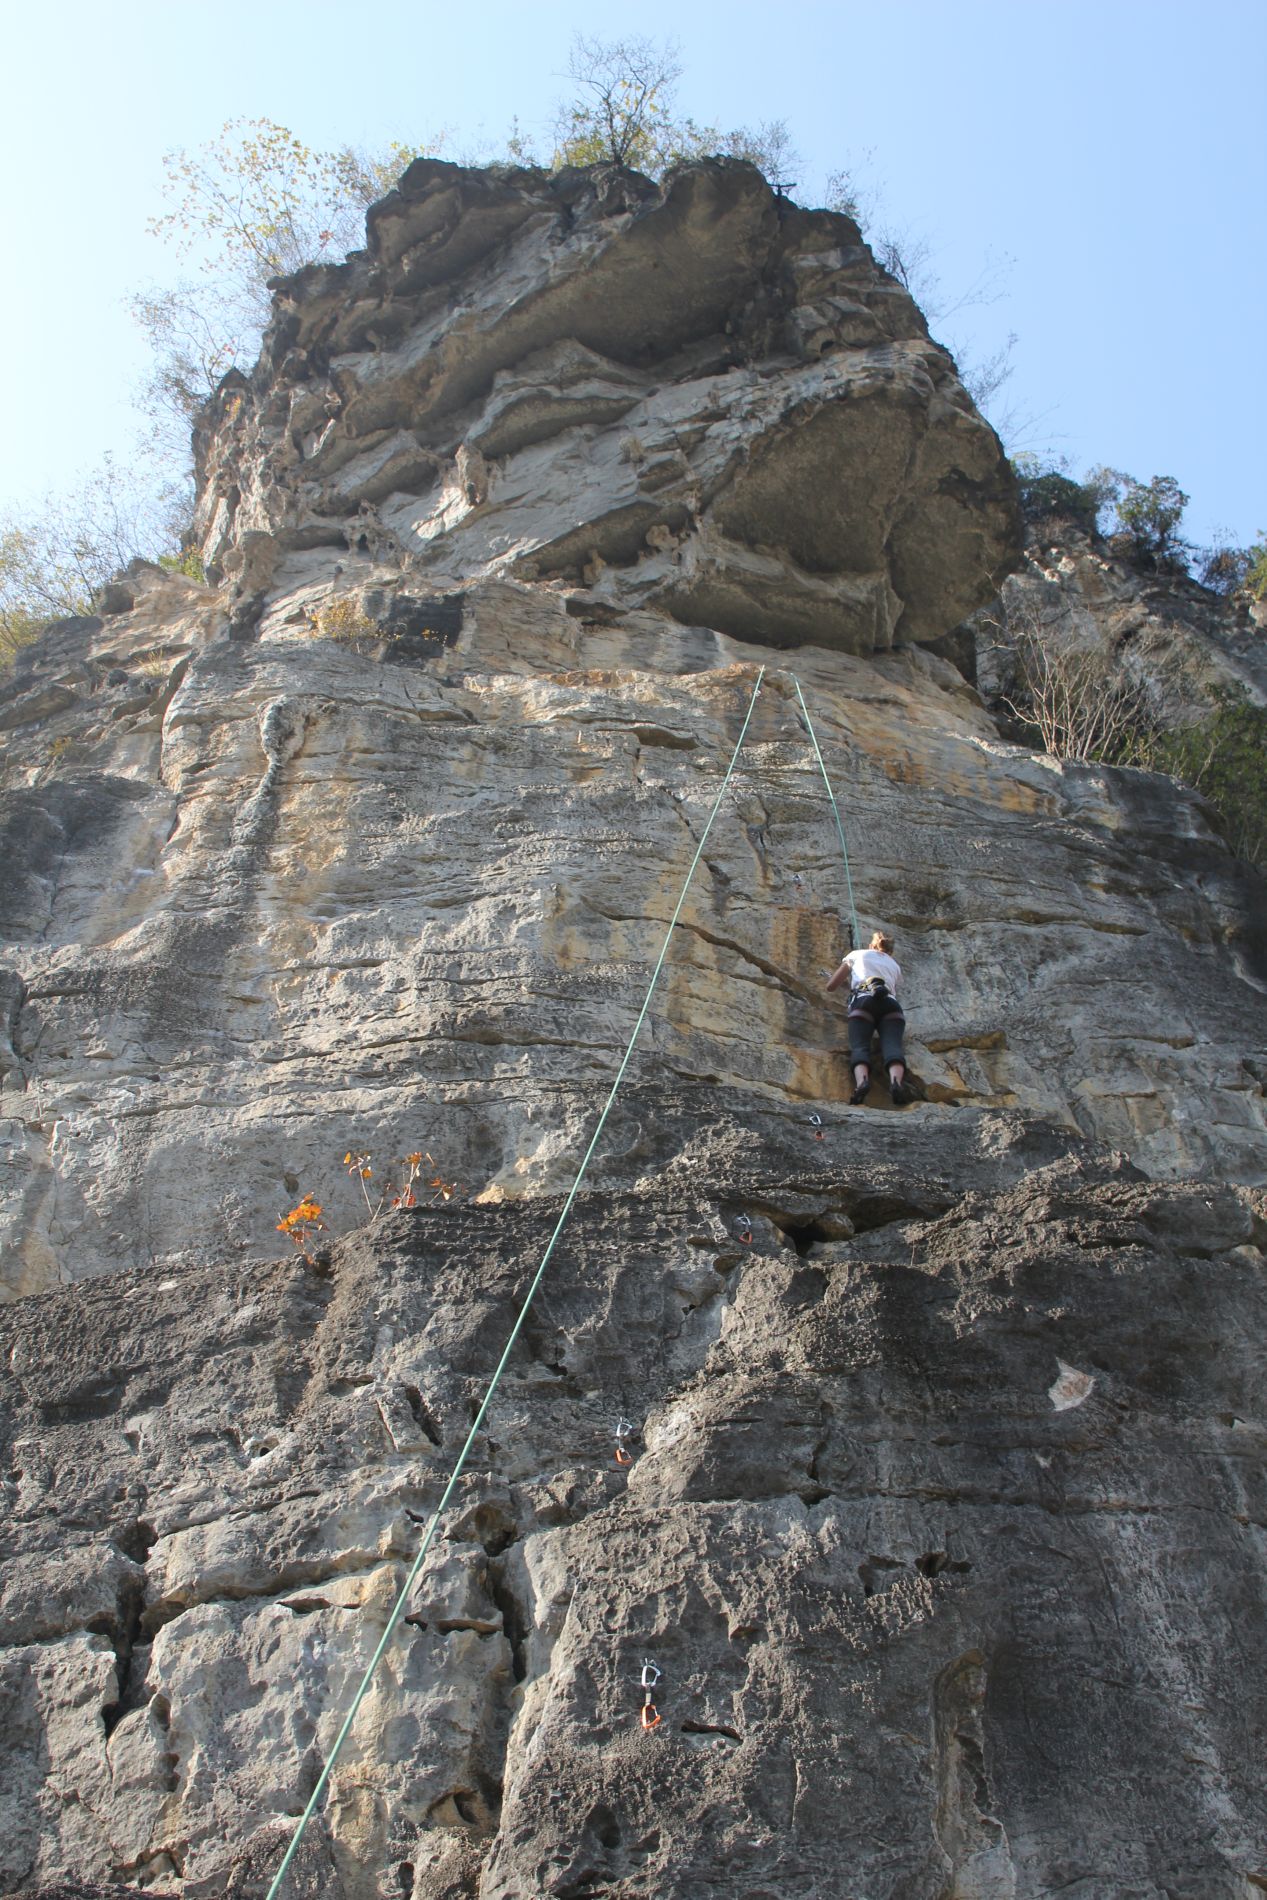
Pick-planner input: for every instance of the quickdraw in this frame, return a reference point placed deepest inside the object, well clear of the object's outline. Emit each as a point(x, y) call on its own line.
point(651, 1673)
point(625, 1428)
point(743, 1230)
point(816, 1123)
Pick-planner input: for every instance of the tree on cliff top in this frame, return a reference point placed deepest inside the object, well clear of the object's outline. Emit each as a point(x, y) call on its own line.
point(256, 203)
point(1146, 516)
point(53, 561)
point(253, 204)
point(622, 112)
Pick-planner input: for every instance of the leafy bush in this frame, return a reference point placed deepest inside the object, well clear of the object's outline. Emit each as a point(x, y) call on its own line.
point(1049, 493)
point(188, 562)
point(1150, 512)
point(343, 620)
point(55, 556)
point(252, 204)
point(18, 626)
point(1077, 703)
point(49, 569)
point(1146, 515)
point(1256, 571)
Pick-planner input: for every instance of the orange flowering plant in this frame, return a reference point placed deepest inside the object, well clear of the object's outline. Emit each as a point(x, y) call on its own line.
point(302, 1224)
point(411, 1190)
point(441, 1190)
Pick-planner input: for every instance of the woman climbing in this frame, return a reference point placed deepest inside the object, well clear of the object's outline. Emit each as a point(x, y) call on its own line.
point(873, 978)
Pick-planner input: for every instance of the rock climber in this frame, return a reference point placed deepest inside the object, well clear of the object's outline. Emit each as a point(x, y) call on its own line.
point(873, 978)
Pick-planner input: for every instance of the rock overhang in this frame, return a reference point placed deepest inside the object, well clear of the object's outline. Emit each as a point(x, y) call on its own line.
point(710, 398)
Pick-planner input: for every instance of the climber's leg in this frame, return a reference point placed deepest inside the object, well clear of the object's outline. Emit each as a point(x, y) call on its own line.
point(861, 1029)
point(892, 1029)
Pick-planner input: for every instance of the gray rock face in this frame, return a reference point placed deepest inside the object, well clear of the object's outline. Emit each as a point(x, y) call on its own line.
point(939, 1534)
point(1173, 639)
point(944, 1517)
point(311, 897)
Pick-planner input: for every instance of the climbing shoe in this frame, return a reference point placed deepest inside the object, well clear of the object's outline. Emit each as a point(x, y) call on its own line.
point(860, 1094)
point(901, 1094)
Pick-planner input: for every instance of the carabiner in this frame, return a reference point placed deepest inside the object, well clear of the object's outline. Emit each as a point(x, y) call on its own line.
point(622, 1457)
point(650, 1715)
point(651, 1673)
point(743, 1231)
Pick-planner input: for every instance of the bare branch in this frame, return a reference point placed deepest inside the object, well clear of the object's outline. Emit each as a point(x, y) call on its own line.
point(1073, 696)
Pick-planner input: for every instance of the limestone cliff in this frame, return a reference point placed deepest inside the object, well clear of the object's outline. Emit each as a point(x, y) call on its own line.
point(698, 399)
point(945, 1517)
point(1173, 639)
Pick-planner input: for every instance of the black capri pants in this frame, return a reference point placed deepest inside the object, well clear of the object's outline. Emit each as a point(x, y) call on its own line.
point(870, 1010)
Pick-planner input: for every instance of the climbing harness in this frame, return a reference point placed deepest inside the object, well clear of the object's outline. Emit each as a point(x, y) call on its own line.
point(870, 986)
point(625, 1428)
point(651, 1674)
point(650, 1716)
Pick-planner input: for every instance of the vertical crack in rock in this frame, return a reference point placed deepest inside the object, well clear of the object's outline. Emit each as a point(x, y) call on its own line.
point(124, 1631)
point(973, 1839)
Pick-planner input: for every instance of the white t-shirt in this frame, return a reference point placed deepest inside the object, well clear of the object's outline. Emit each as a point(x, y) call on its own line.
point(866, 965)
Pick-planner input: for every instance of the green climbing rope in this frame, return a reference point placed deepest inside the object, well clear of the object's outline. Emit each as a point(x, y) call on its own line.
point(855, 942)
point(314, 1799)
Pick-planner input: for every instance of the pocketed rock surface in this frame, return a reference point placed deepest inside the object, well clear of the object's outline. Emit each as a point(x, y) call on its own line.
point(944, 1521)
point(946, 1534)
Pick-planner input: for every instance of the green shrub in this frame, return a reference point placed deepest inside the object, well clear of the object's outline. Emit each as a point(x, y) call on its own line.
point(343, 620)
point(1049, 493)
point(18, 627)
point(1226, 569)
point(1150, 512)
point(1224, 757)
point(1256, 571)
point(188, 562)
point(55, 555)
point(1146, 515)
point(1076, 703)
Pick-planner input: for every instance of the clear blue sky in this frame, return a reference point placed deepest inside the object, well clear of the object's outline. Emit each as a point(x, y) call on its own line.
point(1116, 151)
